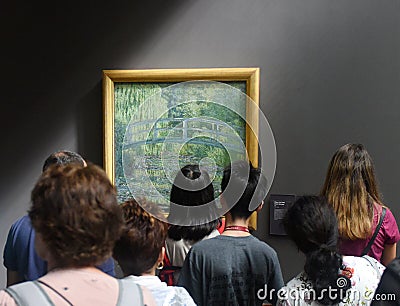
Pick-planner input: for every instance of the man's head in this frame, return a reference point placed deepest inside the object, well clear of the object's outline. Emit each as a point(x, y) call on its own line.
point(63, 158)
point(243, 189)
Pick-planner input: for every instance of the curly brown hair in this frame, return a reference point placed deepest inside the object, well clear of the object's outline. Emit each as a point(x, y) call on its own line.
point(140, 245)
point(75, 210)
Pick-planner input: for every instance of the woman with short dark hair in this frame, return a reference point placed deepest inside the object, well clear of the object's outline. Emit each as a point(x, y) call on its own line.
point(193, 213)
point(140, 251)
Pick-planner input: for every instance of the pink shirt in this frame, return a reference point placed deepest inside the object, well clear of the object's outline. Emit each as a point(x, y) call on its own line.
point(388, 234)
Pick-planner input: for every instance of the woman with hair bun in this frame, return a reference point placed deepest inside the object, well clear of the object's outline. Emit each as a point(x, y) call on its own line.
point(192, 189)
point(351, 187)
point(328, 278)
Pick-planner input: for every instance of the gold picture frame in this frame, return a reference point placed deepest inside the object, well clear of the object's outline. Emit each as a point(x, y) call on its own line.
point(250, 76)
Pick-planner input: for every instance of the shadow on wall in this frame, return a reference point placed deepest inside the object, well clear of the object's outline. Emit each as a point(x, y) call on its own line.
point(124, 36)
point(54, 55)
point(90, 125)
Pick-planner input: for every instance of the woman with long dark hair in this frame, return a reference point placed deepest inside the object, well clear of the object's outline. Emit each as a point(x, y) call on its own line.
point(351, 187)
point(328, 278)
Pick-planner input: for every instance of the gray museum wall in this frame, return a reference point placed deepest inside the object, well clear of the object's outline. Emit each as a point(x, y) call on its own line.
point(330, 74)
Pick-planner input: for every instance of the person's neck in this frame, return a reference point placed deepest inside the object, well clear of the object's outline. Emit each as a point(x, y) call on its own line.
point(236, 227)
point(149, 273)
point(51, 265)
point(91, 269)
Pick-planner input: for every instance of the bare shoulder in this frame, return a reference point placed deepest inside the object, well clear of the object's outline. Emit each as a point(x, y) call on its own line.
point(6, 299)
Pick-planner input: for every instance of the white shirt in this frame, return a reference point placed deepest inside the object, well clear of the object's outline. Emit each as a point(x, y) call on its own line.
point(177, 250)
point(364, 273)
point(163, 294)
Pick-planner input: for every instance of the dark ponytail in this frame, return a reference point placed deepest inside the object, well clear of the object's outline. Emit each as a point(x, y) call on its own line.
point(321, 267)
point(311, 224)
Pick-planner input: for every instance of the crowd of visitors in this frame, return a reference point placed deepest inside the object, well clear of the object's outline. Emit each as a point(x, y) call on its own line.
point(63, 251)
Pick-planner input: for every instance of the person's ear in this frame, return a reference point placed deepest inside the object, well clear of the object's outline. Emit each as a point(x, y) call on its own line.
point(160, 260)
point(161, 255)
point(260, 206)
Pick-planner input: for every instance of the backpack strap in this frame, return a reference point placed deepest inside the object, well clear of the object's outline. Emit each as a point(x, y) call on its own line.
point(29, 293)
point(374, 263)
point(129, 293)
point(378, 227)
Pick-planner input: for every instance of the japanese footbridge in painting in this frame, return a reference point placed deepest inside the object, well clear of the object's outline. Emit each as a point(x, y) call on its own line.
point(204, 131)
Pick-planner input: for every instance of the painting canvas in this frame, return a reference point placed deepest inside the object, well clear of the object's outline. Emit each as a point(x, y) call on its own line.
point(157, 121)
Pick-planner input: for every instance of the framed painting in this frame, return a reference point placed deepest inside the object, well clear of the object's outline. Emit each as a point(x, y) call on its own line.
point(156, 121)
